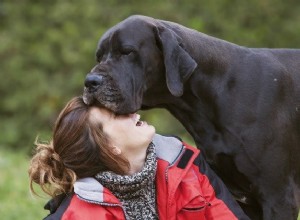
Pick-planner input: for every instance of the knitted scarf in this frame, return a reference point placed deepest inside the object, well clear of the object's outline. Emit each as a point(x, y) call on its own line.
point(136, 192)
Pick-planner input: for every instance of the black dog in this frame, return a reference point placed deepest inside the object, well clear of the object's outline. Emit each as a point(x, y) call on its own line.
point(241, 105)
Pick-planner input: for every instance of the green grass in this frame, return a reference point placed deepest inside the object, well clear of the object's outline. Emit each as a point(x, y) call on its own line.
point(16, 201)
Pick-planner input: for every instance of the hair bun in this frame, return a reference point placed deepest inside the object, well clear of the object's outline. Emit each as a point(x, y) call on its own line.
point(47, 169)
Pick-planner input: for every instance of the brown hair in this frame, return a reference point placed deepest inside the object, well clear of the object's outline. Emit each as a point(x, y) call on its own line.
point(79, 148)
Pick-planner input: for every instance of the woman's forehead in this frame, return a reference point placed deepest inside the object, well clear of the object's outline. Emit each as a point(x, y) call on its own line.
point(100, 114)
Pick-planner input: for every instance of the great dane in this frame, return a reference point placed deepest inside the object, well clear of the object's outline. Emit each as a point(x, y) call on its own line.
point(241, 105)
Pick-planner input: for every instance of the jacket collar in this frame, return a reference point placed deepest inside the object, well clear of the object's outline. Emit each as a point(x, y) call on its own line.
point(89, 189)
point(167, 148)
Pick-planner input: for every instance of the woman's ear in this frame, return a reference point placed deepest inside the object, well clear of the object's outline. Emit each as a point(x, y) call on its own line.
point(116, 150)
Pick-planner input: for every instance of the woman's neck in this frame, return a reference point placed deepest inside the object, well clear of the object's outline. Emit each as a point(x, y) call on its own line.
point(136, 161)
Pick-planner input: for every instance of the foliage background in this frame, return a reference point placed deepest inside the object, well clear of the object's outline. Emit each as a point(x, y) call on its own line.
point(48, 46)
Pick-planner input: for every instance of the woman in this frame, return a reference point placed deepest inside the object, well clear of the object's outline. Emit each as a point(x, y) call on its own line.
point(102, 166)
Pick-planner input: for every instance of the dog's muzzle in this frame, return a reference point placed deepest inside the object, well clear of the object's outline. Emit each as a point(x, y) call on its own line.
point(101, 89)
point(92, 82)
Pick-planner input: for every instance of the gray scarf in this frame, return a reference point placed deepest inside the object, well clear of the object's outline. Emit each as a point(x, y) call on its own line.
point(136, 192)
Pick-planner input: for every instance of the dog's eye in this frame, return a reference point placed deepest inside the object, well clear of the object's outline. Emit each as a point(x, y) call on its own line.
point(99, 55)
point(126, 51)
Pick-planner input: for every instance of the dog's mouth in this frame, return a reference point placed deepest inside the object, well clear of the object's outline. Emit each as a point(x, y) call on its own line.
point(88, 97)
point(109, 99)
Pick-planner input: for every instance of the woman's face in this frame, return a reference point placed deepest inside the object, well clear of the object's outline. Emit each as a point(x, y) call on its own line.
point(126, 132)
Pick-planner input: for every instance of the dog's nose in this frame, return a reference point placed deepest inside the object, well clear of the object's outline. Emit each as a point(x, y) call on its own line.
point(93, 81)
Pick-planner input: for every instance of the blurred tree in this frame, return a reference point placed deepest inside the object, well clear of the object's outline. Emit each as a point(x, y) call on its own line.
point(47, 47)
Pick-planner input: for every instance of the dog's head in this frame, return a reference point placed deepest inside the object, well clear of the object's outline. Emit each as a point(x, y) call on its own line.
point(139, 61)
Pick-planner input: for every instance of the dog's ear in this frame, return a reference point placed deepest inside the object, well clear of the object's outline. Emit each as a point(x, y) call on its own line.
point(179, 64)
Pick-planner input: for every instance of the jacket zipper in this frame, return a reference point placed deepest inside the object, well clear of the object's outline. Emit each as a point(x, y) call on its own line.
point(171, 164)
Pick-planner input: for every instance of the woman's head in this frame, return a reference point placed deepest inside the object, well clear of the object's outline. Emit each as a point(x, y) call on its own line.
point(86, 140)
point(126, 133)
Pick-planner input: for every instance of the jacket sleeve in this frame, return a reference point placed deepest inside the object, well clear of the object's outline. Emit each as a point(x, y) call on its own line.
point(222, 204)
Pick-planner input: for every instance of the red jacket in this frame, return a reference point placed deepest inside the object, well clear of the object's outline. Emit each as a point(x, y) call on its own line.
point(185, 189)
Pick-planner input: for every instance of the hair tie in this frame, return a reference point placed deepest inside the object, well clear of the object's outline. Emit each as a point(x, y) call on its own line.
point(55, 156)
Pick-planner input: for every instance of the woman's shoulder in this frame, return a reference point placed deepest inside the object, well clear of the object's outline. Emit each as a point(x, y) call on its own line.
point(89, 199)
point(57, 206)
point(82, 209)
